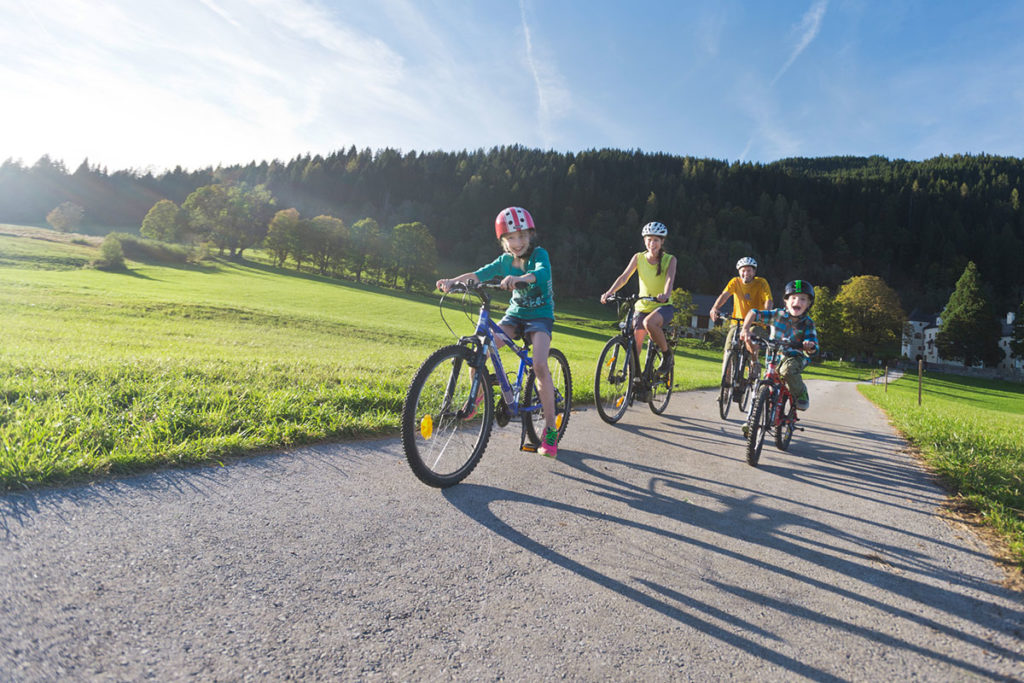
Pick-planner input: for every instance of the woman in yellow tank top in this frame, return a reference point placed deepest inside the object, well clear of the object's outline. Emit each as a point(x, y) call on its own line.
point(657, 273)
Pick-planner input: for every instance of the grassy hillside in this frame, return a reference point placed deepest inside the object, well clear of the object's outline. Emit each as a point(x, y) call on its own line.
point(103, 371)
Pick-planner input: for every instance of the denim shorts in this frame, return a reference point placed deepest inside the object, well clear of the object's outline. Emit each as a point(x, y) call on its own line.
point(521, 326)
point(666, 312)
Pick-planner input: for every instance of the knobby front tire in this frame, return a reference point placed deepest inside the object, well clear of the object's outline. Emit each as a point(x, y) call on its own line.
point(758, 424)
point(784, 430)
point(661, 386)
point(443, 447)
point(613, 380)
point(561, 377)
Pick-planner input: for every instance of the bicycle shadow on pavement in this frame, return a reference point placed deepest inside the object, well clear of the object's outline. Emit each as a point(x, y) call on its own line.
point(475, 501)
point(745, 518)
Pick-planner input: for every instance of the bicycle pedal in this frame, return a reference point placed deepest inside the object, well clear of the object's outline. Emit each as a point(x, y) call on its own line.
point(529, 447)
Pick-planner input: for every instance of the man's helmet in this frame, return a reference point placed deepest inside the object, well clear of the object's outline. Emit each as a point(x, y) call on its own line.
point(656, 229)
point(799, 287)
point(746, 261)
point(513, 219)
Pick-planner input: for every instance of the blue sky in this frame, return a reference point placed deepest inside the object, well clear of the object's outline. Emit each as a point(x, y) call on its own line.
point(150, 85)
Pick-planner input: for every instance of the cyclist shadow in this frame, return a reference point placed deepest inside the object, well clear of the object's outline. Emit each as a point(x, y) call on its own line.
point(748, 519)
point(476, 502)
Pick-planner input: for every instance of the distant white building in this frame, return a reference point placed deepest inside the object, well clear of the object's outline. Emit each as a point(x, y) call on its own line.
point(1009, 362)
point(915, 344)
point(919, 341)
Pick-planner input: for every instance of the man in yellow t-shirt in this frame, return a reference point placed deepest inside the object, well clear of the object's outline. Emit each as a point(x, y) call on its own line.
point(748, 292)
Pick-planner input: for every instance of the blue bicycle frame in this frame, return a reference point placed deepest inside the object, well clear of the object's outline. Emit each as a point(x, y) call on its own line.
point(486, 332)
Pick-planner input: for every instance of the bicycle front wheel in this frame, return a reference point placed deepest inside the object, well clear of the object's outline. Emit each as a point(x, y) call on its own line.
point(443, 438)
point(661, 383)
point(725, 393)
point(561, 379)
point(784, 429)
point(612, 381)
point(758, 423)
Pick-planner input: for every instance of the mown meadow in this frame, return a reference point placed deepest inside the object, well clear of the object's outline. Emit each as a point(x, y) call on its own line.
point(117, 371)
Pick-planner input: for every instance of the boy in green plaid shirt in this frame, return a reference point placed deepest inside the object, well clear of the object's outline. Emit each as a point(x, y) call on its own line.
point(791, 322)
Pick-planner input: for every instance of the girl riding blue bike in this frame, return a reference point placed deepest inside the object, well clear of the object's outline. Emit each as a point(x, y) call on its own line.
point(531, 311)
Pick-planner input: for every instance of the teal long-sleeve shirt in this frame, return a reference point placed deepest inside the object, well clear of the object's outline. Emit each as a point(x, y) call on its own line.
point(535, 301)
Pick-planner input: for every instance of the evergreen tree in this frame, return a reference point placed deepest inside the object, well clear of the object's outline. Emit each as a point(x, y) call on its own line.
point(970, 330)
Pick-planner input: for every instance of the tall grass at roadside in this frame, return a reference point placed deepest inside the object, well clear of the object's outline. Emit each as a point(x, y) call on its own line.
point(970, 433)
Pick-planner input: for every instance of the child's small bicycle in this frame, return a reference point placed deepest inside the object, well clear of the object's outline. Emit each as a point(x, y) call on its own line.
point(774, 407)
point(449, 408)
point(619, 380)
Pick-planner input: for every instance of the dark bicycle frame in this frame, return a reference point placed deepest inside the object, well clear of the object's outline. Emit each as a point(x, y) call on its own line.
point(627, 332)
point(738, 348)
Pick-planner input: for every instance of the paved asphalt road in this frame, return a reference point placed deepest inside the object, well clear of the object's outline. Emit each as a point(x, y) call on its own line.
point(648, 551)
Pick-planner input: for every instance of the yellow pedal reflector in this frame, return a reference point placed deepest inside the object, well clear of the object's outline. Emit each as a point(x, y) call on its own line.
point(558, 420)
point(427, 426)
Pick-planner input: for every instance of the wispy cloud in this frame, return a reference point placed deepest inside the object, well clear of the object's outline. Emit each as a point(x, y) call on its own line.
point(807, 31)
point(553, 99)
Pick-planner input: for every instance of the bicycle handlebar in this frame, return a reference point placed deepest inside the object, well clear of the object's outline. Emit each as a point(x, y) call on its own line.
point(630, 298)
point(475, 287)
point(782, 342)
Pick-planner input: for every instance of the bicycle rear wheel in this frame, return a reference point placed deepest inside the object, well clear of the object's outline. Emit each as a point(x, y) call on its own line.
point(613, 380)
point(725, 393)
point(441, 445)
point(784, 430)
point(561, 378)
point(758, 423)
point(661, 385)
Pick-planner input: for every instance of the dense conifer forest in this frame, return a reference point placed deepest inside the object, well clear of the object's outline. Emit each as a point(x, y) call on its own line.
point(916, 224)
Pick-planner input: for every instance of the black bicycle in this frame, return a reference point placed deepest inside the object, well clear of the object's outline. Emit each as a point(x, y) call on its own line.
point(737, 376)
point(619, 379)
point(774, 407)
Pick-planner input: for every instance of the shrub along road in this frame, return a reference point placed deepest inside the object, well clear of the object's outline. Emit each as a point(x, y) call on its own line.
point(648, 551)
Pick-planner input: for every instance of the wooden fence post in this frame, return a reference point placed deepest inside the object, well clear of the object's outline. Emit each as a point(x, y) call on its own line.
point(920, 373)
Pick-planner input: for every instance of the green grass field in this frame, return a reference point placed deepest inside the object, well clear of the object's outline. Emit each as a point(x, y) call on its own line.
point(112, 372)
point(970, 433)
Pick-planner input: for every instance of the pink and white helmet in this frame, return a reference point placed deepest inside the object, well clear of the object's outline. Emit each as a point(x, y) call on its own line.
point(513, 219)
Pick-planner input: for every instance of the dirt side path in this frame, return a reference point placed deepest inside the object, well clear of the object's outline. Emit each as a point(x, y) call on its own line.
point(648, 551)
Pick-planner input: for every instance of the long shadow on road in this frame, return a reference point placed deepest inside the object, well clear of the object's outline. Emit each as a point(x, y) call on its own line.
point(769, 527)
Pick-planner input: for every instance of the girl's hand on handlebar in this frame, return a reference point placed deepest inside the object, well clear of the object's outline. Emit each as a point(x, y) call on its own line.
point(448, 284)
point(510, 282)
point(662, 298)
point(810, 346)
point(606, 296)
